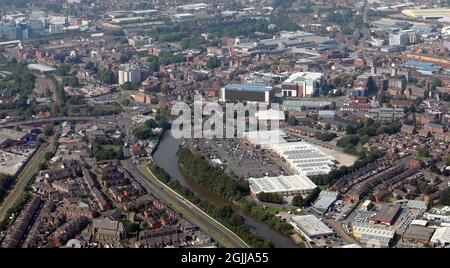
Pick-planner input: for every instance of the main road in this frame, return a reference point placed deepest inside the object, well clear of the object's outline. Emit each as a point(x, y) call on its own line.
point(215, 229)
point(54, 119)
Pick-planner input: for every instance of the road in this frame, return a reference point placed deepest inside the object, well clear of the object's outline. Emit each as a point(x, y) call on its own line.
point(341, 232)
point(24, 178)
point(220, 233)
point(54, 119)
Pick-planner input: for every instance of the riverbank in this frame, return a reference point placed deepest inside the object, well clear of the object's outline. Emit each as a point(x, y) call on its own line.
point(166, 158)
point(224, 214)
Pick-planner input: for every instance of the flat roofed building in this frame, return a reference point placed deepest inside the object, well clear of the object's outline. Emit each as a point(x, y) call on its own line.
point(264, 139)
point(373, 235)
point(303, 84)
point(325, 201)
point(270, 114)
point(387, 214)
point(304, 158)
point(298, 105)
point(441, 236)
point(284, 185)
point(430, 13)
point(418, 234)
point(310, 227)
point(44, 69)
point(250, 92)
point(417, 204)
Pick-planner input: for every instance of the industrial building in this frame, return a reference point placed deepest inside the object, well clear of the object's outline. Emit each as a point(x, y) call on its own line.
point(387, 214)
point(418, 234)
point(264, 139)
point(372, 235)
point(298, 105)
point(441, 236)
point(10, 137)
point(250, 92)
point(303, 84)
point(325, 200)
point(284, 185)
point(44, 69)
point(310, 227)
point(431, 13)
point(304, 158)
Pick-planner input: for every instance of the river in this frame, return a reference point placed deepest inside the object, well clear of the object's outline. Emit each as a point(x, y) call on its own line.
point(166, 158)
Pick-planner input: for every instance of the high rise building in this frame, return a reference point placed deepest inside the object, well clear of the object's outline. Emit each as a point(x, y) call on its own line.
point(129, 73)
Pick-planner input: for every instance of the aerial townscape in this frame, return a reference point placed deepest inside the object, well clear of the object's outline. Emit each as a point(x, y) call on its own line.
point(351, 98)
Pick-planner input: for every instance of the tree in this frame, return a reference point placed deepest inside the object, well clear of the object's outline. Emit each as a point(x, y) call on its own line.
point(298, 201)
point(63, 69)
point(270, 198)
point(90, 66)
point(48, 156)
point(48, 131)
point(71, 81)
point(130, 227)
point(444, 197)
point(127, 86)
point(107, 76)
point(213, 62)
point(312, 196)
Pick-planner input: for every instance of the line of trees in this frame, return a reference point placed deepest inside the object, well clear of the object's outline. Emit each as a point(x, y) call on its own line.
point(258, 212)
point(299, 201)
point(225, 214)
point(199, 169)
point(6, 181)
point(270, 198)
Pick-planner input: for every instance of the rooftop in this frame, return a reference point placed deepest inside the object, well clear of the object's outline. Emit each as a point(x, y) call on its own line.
point(387, 213)
point(249, 87)
point(311, 225)
point(41, 67)
point(302, 76)
point(304, 158)
point(281, 184)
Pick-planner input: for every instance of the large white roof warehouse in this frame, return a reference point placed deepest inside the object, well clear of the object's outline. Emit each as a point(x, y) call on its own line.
point(264, 139)
point(304, 158)
point(284, 185)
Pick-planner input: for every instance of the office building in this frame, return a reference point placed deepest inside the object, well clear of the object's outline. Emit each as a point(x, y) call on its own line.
point(250, 92)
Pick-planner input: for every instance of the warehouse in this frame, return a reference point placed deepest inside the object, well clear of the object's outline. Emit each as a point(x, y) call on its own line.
point(387, 214)
point(304, 158)
point(431, 13)
point(284, 185)
point(9, 137)
point(264, 139)
point(371, 235)
point(44, 69)
point(325, 201)
point(418, 234)
point(250, 92)
point(441, 236)
point(310, 227)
